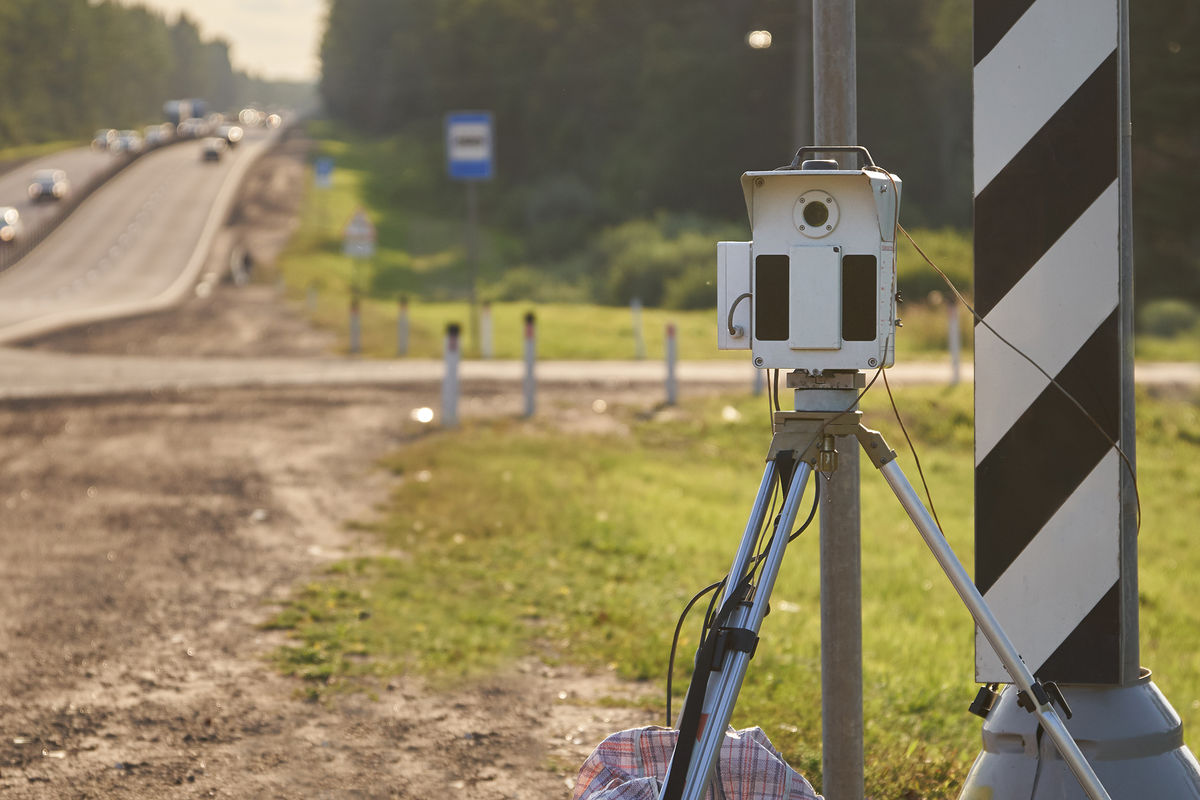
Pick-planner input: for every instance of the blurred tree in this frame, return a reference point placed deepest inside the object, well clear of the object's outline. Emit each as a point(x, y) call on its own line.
point(647, 106)
point(612, 109)
point(1165, 59)
point(71, 66)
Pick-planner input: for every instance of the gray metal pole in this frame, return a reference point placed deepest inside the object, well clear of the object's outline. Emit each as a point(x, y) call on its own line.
point(530, 381)
point(355, 328)
point(802, 114)
point(1130, 650)
point(835, 121)
point(672, 356)
point(472, 259)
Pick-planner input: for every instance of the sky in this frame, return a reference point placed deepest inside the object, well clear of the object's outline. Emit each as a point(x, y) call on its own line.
point(272, 39)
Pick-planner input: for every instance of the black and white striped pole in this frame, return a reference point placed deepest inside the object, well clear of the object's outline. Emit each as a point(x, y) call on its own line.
point(402, 326)
point(1055, 506)
point(529, 384)
point(452, 355)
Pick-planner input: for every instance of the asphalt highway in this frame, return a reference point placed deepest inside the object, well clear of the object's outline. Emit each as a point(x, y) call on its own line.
point(129, 248)
point(81, 164)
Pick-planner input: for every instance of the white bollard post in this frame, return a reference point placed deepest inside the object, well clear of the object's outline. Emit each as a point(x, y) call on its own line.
point(485, 330)
point(672, 384)
point(402, 327)
point(639, 343)
point(450, 377)
point(530, 384)
point(355, 328)
point(955, 344)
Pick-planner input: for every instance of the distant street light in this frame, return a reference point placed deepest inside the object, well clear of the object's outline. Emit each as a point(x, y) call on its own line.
point(759, 40)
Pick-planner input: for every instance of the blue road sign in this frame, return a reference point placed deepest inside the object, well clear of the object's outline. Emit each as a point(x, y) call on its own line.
point(469, 146)
point(323, 172)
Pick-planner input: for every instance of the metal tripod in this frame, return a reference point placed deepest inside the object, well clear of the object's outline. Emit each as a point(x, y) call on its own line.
point(803, 441)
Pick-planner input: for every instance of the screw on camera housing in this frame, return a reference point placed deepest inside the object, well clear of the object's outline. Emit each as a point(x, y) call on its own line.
point(816, 213)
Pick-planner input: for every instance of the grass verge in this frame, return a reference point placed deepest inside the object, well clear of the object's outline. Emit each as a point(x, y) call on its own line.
point(585, 546)
point(420, 255)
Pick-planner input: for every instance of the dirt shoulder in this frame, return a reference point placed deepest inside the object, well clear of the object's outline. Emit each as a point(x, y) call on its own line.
point(145, 538)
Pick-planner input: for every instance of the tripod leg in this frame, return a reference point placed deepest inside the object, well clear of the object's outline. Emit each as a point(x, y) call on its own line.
point(990, 626)
point(687, 778)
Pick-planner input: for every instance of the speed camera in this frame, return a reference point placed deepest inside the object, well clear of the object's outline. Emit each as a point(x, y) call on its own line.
point(815, 289)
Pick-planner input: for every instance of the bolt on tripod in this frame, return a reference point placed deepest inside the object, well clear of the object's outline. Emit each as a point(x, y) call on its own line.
point(803, 441)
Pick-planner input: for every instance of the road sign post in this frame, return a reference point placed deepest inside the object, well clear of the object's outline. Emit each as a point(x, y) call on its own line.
point(469, 158)
point(323, 172)
point(322, 179)
point(358, 242)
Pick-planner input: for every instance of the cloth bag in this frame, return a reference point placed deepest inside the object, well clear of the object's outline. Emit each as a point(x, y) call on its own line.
point(630, 765)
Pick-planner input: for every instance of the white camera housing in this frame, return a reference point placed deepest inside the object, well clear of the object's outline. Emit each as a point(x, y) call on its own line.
point(816, 288)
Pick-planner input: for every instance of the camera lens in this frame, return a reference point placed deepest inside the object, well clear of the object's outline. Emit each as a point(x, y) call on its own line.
point(816, 213)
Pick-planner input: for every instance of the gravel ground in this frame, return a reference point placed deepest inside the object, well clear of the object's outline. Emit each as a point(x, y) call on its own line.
point(144, 537)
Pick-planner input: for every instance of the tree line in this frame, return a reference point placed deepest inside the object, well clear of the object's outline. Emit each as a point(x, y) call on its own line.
point(72, 66)
point(613, 109)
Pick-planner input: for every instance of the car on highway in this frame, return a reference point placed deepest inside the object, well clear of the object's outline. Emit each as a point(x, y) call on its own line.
point(214, 148)
point(128, 142)
point(192, 128)
point(49, 184)
point(232, 134)
point(155, 135)
point(251, 117)
point(104, 139)
point(10, 224)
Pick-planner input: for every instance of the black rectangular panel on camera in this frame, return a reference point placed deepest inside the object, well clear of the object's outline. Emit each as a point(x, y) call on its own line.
point(859, 316)
point(771, 297)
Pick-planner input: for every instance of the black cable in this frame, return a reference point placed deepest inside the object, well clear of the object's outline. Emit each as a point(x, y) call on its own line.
point(718, 585)
point(675, 639)
point(1054, 382)
point(912, 448)
point(812, 512)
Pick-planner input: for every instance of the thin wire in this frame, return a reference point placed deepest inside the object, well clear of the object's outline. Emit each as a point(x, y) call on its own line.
point(913, 449)
point(1054, 382)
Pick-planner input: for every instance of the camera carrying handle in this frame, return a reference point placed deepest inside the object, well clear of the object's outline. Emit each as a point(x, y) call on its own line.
point(832, 148)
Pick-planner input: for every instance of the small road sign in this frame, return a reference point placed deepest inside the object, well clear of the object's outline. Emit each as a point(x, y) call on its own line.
point(358, 240)
point(469, 146)
point(323, 172)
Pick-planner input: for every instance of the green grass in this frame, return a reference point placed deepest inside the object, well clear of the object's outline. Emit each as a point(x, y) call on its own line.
point(27, 151)
point(1184, 347)
point(585, 547)
point(420, 254)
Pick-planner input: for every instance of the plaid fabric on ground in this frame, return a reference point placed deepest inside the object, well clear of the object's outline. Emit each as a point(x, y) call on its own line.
point(629, 765)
